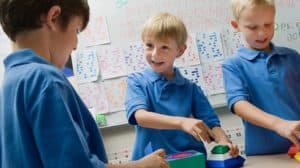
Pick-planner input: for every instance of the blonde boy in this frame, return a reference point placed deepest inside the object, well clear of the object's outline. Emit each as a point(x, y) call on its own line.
point(160, 101)
point(260, 81)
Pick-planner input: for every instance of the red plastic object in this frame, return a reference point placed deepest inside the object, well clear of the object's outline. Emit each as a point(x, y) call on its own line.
point(292, 151)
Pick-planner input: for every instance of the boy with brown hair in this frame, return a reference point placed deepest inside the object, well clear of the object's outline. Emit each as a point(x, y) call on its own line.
point(43, 122)
point(260, 81)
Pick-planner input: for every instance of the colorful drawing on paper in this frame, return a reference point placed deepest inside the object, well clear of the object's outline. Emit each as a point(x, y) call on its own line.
point(231, 41)
point(115, 93)
point(85, 66)
point(95, 33)
point(93, 95)
point(209, 46)
point(193, 73)
point(190, 56)
point(213, 78)
point(134, 57)
point(111, 62)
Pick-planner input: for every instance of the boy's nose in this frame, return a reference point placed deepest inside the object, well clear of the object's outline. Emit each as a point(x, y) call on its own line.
point(262, 33)
point(154, 55)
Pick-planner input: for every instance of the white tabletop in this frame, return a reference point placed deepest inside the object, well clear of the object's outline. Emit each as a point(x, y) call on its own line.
point(271, 161)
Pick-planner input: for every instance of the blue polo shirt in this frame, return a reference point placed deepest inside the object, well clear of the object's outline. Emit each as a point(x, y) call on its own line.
point(177, 97)
point(43, 122)
point(271, 82)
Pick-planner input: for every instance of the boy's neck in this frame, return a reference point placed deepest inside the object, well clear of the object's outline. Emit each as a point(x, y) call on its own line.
point(35, 40)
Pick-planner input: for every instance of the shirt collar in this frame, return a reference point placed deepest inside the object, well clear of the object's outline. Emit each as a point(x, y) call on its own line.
point(250, 54)
point(154, 76)
point(23, 56)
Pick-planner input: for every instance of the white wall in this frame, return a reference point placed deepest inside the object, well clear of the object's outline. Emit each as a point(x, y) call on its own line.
point(5, 49)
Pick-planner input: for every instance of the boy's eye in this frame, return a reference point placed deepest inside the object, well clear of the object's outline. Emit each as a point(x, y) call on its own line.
point(164, 47)
point(268, 25)
point(148, 45)
point(252, 27)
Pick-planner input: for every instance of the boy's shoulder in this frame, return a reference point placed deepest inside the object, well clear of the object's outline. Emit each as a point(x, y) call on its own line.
point(141, 77)
point(282, 50)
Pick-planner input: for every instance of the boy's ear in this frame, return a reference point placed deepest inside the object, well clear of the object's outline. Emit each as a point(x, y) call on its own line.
point(52, 17)
point(234, 24)
point(182, 48)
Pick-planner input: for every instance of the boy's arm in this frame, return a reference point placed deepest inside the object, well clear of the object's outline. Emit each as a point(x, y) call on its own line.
point(158, 121)
point(195, 127)
point(153, 160)
point(287, 129)
point(58, 137)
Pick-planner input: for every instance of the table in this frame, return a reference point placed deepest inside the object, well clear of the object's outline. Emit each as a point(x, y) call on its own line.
point(271, 161)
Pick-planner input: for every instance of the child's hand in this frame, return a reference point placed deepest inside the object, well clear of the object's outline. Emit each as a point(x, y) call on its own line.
point(233, 149)
point(289, 130)
point(197, 128)
point(153, 160)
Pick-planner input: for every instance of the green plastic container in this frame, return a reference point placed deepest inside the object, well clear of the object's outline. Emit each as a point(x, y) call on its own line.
point(220, 149)
point(188, 159)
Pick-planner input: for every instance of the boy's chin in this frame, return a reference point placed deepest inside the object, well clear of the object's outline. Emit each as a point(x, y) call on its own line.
point(260, 48)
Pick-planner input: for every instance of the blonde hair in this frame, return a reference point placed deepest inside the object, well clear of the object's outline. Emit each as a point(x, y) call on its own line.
point(165, 25)
point(237, 6)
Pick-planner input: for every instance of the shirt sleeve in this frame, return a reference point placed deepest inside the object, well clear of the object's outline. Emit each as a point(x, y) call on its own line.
point(202, 108)
point(235, 88)
point(135, 98)
point(58, 132)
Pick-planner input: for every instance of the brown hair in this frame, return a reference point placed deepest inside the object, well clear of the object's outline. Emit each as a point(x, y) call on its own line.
point(21, 15)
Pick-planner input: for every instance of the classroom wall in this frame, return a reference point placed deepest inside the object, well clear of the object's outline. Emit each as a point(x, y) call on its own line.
point(110, 48)
point(113, 36)
point(5, 49)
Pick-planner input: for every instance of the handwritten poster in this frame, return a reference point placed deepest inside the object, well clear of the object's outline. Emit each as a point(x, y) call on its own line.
point(193, 73)
point(115, 93)
point(190, 56)
point(94, 97)
point(288, 34)
point(111, 62)
point(95, 33)
point(209, 46)
point(134, 57)
point(86, 66)
point(231, 41)
point(213, 78)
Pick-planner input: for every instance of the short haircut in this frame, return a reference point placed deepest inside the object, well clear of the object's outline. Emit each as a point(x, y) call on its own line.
point(165, 25)
point(237, 6)
point(17, 16)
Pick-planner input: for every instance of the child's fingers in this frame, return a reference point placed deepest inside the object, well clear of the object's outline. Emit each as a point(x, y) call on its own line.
point(160, 152)
point(295, 141)
point(235, 150)
point(196, 135)
point(297, 133)
point(202, 133)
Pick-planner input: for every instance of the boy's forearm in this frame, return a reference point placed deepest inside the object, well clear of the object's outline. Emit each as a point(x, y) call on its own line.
point(158, 121)
point(254, 115)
